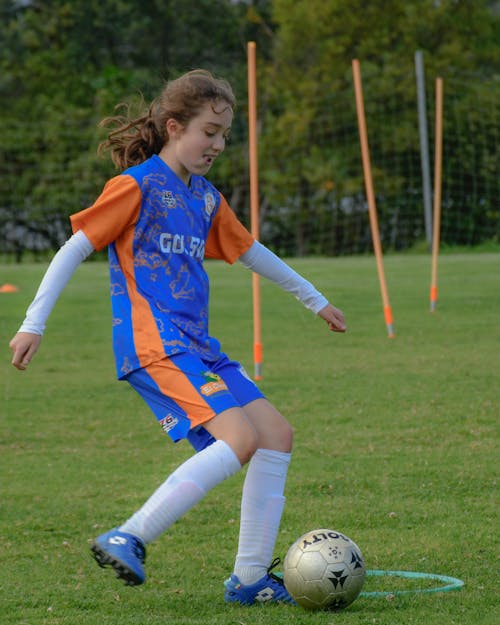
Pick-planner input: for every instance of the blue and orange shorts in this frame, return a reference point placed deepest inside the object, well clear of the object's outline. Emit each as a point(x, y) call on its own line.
point(184, 392)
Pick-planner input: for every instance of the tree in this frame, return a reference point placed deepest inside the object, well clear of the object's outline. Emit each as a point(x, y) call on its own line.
point(309, 104)
point(64, 65)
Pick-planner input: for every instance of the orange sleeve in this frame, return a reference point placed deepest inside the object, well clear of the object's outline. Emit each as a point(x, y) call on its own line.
point(228, 238)
point(116, 209)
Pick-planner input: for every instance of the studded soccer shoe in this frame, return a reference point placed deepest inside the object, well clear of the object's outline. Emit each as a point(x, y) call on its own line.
point(268, 589)
point(123, 552)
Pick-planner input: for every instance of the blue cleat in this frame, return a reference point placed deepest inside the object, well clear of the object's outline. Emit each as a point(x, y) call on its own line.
point(268, 589)
point(124, 552)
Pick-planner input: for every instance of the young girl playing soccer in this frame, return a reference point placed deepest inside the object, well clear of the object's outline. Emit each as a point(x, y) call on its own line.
point(159, 219)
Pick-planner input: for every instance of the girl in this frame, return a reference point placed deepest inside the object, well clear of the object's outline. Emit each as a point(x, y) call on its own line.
point(160, 218)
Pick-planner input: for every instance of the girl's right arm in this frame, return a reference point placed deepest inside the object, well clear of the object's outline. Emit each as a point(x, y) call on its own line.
point(25, 343)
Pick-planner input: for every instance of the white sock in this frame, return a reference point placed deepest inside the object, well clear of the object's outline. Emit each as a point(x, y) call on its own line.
point(262, 505)
point(182, 490)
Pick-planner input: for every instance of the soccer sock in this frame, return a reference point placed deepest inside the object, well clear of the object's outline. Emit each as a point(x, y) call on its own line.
point(182, 490)
point(262, 505)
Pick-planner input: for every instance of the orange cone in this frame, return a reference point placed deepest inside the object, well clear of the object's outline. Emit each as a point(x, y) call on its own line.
point(8, 288)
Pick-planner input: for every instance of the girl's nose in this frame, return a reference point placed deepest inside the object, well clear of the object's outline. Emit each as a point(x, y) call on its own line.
point(219, 143)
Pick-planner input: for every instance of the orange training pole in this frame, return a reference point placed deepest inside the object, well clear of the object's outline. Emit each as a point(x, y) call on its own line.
point(438, 160)
point(254, 200)
point(365, 153)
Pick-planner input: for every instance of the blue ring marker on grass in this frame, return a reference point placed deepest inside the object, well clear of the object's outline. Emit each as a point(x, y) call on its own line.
point(451, 583)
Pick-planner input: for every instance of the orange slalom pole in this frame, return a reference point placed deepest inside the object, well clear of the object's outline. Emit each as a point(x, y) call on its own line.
point(438, 160)
point(254, 200)
point(365, 153)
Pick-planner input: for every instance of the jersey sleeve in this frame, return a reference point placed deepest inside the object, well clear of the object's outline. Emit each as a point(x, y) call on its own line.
point(116, 209)
point(228, 238)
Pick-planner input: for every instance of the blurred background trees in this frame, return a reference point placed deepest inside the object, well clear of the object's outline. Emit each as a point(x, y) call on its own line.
point(64, 65)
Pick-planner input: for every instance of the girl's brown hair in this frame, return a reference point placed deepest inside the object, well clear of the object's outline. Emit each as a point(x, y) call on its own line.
point(134, 139)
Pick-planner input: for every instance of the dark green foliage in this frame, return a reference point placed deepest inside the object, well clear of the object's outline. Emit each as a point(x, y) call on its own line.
point(65, 65)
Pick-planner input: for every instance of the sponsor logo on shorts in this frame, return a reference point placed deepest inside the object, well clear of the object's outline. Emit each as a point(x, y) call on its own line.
point(168, 422)
point(214, 384)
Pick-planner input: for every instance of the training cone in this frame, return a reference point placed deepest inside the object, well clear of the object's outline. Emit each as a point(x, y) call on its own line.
point(8, 288)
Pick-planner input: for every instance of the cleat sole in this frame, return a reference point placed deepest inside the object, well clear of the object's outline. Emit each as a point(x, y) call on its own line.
point(122, 571)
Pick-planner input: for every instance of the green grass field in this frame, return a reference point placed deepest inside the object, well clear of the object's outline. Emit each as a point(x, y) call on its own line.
point(396, 445)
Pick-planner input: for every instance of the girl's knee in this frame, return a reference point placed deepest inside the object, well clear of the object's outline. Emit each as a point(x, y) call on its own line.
point(278, 437)
point(285, 436)
point(233, 427)
point(247, 446)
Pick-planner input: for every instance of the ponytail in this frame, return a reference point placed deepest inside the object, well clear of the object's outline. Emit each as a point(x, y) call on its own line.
point(131, 140)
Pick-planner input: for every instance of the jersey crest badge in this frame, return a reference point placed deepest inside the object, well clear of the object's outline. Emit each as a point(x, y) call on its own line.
point(209, 204)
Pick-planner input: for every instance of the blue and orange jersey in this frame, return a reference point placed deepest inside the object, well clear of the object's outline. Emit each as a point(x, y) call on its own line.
point(158, 232)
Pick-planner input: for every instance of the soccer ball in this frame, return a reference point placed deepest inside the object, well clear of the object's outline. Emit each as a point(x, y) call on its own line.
point(324, 570)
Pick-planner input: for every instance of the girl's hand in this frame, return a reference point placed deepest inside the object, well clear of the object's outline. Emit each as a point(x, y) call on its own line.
point(333, 317)
point(24, 346)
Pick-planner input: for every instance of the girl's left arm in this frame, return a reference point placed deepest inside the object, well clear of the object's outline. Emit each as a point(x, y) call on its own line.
point(264, 262)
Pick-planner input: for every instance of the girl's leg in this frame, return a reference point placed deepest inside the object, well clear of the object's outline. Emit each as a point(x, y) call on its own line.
point(196, 476)
point(263, 499)
point(124, 548)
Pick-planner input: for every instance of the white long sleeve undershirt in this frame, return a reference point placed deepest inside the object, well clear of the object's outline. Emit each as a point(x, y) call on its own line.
point(267, 264)
point(62, 267)
point(77, 248)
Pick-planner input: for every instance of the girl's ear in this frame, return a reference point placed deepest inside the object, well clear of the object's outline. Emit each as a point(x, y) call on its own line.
point(174, 128)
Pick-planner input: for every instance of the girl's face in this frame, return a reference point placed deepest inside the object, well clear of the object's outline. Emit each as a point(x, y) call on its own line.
point(192, 149)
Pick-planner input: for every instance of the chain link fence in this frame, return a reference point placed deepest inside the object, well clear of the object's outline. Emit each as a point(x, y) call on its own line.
point(311, 188)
